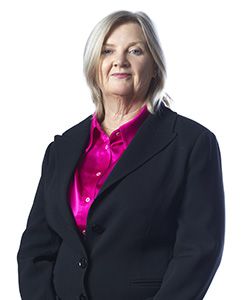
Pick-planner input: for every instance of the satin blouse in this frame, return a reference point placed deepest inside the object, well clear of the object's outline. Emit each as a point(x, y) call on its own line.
point(99, 158)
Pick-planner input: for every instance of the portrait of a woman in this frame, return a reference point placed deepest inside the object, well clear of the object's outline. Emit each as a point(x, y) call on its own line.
point(130, 202)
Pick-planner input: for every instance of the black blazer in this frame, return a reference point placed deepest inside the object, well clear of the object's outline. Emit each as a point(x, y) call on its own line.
point(154, 232)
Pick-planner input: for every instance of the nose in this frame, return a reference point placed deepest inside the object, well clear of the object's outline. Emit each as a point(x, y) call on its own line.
point(120, 61)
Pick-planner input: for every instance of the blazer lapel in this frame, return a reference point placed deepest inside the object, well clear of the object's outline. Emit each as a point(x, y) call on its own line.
point(69, 147)
point(155, 133)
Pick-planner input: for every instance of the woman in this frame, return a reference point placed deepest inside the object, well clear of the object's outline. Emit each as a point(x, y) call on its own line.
point(130, 203)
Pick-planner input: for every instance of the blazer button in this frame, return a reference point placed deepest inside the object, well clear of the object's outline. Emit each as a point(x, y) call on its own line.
point(83, 263)
point(82, 297)
point(97, 228)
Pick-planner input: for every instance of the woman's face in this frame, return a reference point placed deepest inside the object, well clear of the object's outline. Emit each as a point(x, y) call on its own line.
point(125, 52)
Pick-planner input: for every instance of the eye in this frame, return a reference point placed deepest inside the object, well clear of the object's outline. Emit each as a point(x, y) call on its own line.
point(136, 51)
point(106, 51)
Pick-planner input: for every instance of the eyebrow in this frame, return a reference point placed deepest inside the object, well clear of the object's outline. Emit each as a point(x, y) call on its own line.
point(130, 44)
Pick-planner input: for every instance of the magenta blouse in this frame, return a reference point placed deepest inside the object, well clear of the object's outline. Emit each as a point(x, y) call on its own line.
point(100, 157)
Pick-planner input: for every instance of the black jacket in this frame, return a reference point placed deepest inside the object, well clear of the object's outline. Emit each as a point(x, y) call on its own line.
point(154, 232)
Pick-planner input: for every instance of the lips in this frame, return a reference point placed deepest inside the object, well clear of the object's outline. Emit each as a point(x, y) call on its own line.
point(121, 75)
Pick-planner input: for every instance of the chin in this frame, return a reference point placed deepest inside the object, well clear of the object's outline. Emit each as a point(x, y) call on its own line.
point(121, 92)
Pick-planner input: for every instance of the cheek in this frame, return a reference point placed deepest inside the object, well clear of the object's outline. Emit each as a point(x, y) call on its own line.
point(146, 71)
point(105, 67)
point(144, 67)
point(143, 74)
point(103, 71)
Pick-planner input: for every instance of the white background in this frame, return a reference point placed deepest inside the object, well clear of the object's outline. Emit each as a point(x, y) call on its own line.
point(43, 93)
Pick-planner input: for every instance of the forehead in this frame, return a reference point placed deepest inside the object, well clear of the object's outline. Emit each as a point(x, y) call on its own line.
point(127, 32)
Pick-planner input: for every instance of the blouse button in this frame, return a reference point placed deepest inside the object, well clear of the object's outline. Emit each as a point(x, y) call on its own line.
point(87, 199)
point(117, 133)
point(106, 147)
point(98, 173)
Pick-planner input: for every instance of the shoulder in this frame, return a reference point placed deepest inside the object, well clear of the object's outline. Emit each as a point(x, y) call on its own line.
point(74, 132)
point(189, 132)
point(190, 126)
point(190, 129)
point(76, 128)
point(179, 123)
point(69, 135)
point(196, 137)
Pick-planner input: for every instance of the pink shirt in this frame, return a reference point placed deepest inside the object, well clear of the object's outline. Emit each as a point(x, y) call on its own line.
point(101, 155)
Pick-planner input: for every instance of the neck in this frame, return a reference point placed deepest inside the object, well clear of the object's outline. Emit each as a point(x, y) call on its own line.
point(116, 116)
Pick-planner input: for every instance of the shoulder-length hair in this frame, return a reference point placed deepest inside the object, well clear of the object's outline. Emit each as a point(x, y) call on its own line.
point(92, 53)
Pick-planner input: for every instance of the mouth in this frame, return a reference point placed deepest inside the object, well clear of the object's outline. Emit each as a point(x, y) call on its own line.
point(121, 75)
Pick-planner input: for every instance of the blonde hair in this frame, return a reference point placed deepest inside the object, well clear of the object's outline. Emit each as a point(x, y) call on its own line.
point(92, 52)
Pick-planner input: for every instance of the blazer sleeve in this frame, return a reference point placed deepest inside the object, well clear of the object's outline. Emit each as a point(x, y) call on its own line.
point(201, 226)
point(38, 248)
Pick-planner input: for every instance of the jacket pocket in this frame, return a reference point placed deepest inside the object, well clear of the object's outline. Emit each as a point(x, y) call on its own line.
point(145, 282)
